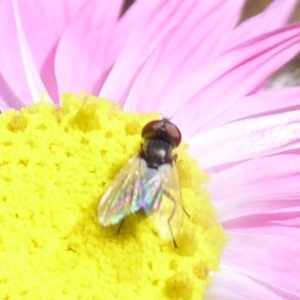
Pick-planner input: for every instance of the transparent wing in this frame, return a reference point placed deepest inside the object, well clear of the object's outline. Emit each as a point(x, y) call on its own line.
point(124, 194)
point(167, 204)
point(137, 187)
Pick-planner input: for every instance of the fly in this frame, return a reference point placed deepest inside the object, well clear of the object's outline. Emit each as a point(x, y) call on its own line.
point(148, 182)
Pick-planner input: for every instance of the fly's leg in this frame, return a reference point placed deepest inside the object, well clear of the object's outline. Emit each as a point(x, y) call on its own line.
point(175, 158)
point(173, 200)
point(119, 229)
point(187, 214)
point(167, 194)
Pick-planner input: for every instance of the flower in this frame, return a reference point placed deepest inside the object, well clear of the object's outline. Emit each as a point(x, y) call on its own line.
point(211, 80)
point(56, 163)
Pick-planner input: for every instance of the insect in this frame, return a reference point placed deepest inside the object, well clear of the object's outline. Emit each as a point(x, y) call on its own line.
point(148, 182)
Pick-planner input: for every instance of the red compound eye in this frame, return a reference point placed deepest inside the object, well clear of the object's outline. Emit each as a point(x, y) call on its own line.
point(163, 129)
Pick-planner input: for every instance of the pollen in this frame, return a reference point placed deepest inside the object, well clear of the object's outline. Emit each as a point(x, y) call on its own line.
point(56, 162)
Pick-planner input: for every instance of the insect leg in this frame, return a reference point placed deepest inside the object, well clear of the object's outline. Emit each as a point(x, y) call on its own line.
point(175, 158)
point(187, 214)
point(173, 200)
point(167, 194)
point(119, 229)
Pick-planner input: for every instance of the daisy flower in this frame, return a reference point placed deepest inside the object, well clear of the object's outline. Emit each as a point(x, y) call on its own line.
point(78, 83)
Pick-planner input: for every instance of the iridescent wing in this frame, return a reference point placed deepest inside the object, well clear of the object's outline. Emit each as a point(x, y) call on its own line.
point(137, 187)
point(166, 208)
point(124, 194)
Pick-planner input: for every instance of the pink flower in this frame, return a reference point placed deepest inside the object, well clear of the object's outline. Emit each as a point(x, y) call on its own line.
point(189, 60)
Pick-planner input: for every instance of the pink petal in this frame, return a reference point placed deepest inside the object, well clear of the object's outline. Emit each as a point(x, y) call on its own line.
point(125, 27)
point(263, 22)
point(219, 296)
point(216, 147)
point(245, 139)
point(233, 75)
point(43, 32)
point(264, 103)
point(232, 284)
point(285, 219)
point(270, 255)
point(7, 93)
point(82, 51)
point(266, 219)
point(34, 81)
point(264, 185)
point(21, 42)
point(142, 42)
point(172, 66)
point(11, 64)
point(165, 19)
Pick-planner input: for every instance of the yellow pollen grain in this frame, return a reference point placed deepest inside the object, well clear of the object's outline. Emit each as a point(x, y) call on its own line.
point(55, 164)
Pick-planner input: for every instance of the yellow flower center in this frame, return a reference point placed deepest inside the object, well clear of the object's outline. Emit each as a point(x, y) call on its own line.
point(56, 162)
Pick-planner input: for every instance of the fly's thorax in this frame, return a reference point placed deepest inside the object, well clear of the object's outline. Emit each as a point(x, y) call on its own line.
point(156, 152)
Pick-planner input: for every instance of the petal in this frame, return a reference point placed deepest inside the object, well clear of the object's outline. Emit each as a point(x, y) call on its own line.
point(163, 18)
point(82, 51)
point(20, 64)
point(260, 104)
point(141, 43)
point(235, 74)
point(125, 27)
point(264, 185)
point(263, 22)
point(35, 84)
point(219, 296)
point(172, 66)
point(232, 284)
point(275, 218)
point(241, 140)
point(43, 32)
point(17, 66)
point(11, 61)
point(8, 99)
point(269, 255)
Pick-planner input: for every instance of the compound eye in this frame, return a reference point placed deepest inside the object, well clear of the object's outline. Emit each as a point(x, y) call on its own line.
point(152, 127)
point(173, 132)
point(163, 129)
